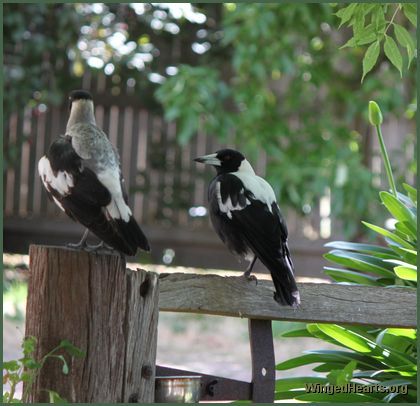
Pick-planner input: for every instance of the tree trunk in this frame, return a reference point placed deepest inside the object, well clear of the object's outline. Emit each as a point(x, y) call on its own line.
point(109, 312)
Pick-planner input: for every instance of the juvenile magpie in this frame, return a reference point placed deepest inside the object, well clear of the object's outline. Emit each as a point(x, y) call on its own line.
point(82, 174)
point(245, 215)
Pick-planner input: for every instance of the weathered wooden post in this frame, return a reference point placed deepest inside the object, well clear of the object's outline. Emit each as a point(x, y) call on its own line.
point(109, 312)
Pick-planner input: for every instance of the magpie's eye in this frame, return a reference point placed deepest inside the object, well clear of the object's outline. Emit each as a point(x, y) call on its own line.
point(227, 157)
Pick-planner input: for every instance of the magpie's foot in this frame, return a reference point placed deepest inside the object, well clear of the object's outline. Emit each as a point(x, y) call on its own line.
point(78, 246)
point(101, 248)
point(247, 275)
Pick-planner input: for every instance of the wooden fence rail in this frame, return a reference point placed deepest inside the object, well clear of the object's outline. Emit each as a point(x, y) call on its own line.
point(321, 302)
point(85, 296)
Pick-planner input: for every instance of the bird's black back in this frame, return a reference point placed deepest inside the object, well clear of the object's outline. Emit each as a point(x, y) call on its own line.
point(254, 227)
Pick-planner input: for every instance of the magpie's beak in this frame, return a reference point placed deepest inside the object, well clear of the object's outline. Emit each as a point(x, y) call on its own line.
point(209, 160)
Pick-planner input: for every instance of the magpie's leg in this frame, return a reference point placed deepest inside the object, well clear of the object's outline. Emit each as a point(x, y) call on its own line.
point(82, 243)
point(247, 273)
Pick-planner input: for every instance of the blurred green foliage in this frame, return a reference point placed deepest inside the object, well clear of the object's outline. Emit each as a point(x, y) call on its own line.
point(271, 74)
point(285, 88)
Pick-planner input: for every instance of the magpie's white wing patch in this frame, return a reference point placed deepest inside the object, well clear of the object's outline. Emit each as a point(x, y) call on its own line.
point(226, 205)
point(117, 208)
point(259, 187)
point(61, 181)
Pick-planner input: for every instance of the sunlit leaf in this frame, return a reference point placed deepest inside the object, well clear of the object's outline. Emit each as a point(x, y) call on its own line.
point(406, 273)
point(349, 339)
point(396, 208)
point(360, 262)
point(389, 235)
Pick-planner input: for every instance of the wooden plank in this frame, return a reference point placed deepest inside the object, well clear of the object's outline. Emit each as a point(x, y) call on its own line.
point(263, 361)
point(106, 310)
point(328, 303)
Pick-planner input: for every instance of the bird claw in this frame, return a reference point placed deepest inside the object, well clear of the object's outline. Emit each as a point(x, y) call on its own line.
point(101, 248)
point(98, 248)
point(250, 278)
point(77, 246)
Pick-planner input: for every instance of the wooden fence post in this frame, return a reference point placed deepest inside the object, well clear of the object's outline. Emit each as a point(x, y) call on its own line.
point(109, 312)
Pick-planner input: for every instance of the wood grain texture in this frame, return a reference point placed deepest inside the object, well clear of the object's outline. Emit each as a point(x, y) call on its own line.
point(102, 308)
point(329, 303)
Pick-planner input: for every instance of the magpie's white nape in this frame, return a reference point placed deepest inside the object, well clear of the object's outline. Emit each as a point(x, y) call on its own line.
point(82, 174)
point(245, 215)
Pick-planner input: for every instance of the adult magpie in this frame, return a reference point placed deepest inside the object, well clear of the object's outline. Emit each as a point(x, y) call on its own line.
point(82, 174)
point(245, 215)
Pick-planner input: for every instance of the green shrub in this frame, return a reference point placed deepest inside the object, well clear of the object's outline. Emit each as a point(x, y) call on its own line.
point(369, 355)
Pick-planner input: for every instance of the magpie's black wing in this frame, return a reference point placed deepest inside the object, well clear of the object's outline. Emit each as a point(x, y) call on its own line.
point(221, 207)
point(76, 190)
point(263, 228)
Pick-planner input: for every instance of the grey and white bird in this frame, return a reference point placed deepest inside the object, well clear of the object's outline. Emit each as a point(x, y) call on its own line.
point(82, 174)
point(245, 214)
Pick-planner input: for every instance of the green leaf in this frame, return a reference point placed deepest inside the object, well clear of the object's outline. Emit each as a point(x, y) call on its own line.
point(370, 58)
point(28, 345)
point(288, 394)
point(360, 262)
point(393, 53)
point(348, 338)
point(338, 397)
point(286, 384)
point(405, 39)
point(410, 333)
point(11, 366)
point(389, 235)
point(346, 13)
point(72, 349)
point(412, 192)
point(316, 332)
point(406, 273)
point(407, 228)
point(187, 126)
point(343, 375)
point(172, 113)
point(378, 18)
point(54, 397)
point(329, 356)
point(344, 275)
point(410, 11)
point(31, 363)
point(328, 366)
point(354, 246)
point(403, 344)
point(396, 208)
point(297, 333)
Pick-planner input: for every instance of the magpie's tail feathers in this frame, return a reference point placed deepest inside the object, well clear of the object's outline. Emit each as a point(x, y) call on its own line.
point(133, 234)
point(110, 235)
point(281, 270)
point(286, 290)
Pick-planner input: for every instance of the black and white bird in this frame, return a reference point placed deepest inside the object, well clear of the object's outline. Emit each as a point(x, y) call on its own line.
point(245, 215)
point(82, 174)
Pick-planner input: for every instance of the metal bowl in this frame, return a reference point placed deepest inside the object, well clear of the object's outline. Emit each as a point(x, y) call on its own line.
point(177, 389)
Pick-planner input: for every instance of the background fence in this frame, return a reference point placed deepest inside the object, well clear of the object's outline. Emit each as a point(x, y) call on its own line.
point(167, 189)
